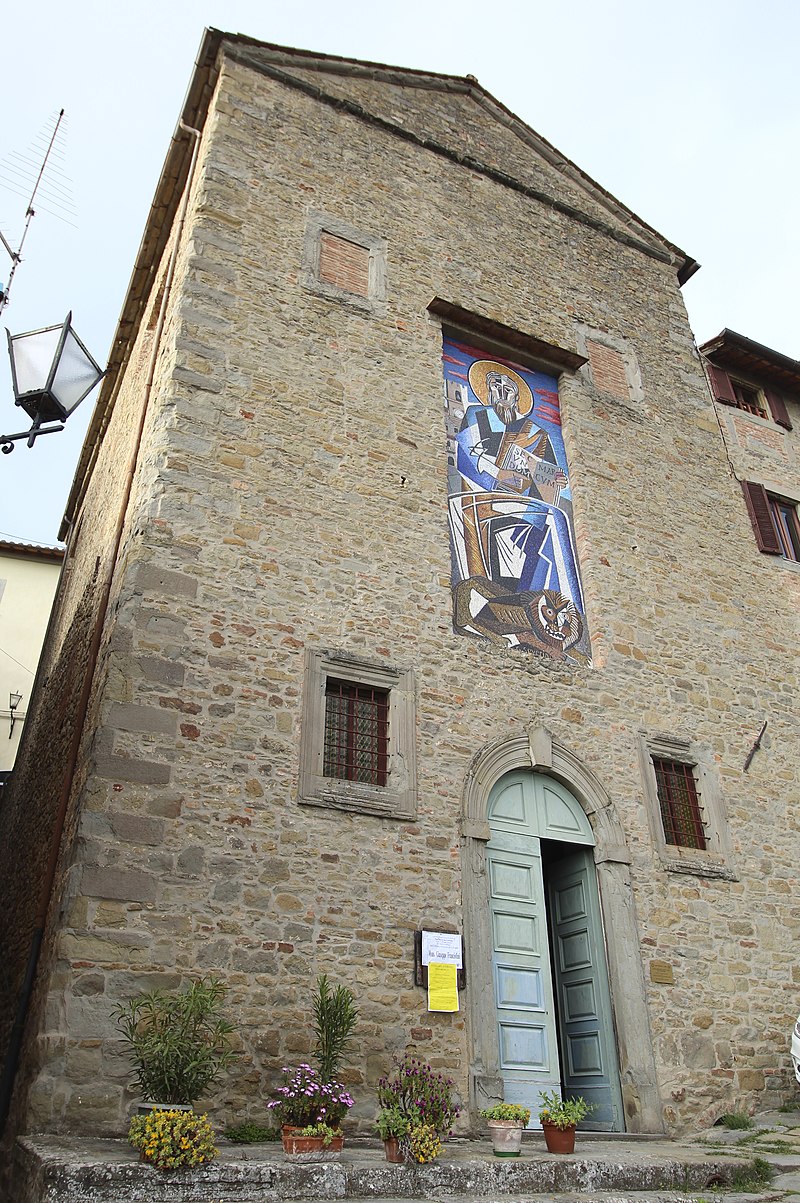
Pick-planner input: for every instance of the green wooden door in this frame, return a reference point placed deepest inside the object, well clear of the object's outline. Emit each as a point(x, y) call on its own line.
point(582, 996)
point(524, 809)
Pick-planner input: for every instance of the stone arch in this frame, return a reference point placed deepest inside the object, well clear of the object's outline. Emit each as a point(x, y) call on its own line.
point(537, 750)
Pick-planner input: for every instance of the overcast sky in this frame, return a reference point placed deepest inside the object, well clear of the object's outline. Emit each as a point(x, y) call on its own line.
point(687, 111)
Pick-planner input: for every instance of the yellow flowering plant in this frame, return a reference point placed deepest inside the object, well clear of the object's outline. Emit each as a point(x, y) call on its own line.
point(172, 1139)
point(423, 1143)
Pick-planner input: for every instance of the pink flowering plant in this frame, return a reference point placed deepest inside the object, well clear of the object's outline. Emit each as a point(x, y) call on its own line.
point(305, 1100)
point(422, 1095)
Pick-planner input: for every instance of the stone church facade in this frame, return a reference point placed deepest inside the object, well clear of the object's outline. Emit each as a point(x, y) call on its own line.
point(410, 586)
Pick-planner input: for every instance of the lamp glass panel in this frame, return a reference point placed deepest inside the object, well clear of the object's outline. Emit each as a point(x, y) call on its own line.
point(76, 374)
point(33, 358)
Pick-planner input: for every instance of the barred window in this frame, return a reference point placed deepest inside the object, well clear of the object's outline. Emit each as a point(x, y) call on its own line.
point(358, 741)
point(680, 805)
point(356, 732)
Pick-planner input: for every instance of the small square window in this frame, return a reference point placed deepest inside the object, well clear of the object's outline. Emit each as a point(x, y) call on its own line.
point(680, 805)
point(356, 732)
point(358, 744)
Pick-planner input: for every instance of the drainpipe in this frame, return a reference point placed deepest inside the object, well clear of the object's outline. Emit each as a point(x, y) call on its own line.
point(18, 1030)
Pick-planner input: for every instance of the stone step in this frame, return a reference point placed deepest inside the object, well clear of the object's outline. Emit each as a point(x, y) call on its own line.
point(68, 1170)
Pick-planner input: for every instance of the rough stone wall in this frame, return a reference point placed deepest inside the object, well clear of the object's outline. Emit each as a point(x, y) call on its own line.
point(270, 518)
point(41, 781)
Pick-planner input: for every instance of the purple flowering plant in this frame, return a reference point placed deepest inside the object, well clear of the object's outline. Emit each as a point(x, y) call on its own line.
point(422, 1095)
point(304, 1099)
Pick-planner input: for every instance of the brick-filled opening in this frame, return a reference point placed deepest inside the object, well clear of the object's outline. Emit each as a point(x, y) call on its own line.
point(608, 369)
point(344, 264)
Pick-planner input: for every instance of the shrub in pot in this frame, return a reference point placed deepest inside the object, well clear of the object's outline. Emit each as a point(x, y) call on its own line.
point(178, 1041)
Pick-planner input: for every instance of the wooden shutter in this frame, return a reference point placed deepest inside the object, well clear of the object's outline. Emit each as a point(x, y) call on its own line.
point(759, 510)
point(777, 407)
point(721, 386)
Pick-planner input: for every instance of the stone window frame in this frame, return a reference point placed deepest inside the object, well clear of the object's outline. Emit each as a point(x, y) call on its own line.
point(715, 859)
point(398, 798)
point(324, 223)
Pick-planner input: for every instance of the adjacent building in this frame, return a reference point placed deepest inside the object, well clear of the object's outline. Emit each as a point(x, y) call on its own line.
point(410, 587)
point(28, 579)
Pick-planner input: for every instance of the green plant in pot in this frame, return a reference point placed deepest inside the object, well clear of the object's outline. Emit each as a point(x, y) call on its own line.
point(179, 1042)
point(393, 1128)
point(335, 1018)
point(506, 1122)
point(559, 1118)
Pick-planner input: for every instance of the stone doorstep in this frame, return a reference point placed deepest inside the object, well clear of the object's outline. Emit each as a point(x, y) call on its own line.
point(53, 1169)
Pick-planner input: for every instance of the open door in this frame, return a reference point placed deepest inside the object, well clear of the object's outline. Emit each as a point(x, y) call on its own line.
point(582, 996)
point(552, 1002)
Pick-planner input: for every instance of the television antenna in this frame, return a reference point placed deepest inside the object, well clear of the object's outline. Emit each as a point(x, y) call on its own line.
point(54, 198)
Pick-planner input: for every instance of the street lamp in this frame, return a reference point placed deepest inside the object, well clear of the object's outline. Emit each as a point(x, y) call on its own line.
point(14, 700)
point(51, 372)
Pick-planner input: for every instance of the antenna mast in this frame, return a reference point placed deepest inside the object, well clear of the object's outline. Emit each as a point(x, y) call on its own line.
point(16, 255)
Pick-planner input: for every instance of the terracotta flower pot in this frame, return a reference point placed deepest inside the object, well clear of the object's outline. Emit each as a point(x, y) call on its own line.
point(558, 1140)
point(506, 1137)
point(309, 1148)
point(393, 1151)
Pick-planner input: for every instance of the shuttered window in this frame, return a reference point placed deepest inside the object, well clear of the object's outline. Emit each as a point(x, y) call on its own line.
point(787, 526)
point(747, 397)
point(775, 520)
point(680, 805)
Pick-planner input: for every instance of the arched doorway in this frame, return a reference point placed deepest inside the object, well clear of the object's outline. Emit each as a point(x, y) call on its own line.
point(551, 994)
point(535, 751)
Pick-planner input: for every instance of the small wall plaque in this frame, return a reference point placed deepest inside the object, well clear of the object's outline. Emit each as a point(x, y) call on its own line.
point(661, 972)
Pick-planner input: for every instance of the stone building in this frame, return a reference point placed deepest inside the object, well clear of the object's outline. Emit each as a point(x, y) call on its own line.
point(410, 586)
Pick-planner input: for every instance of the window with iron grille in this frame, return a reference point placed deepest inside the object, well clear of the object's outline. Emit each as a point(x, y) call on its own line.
point(358, 736)
point(680, 805)
point(356, 732)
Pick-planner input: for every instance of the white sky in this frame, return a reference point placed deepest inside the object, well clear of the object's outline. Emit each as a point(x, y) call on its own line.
point(686, 110)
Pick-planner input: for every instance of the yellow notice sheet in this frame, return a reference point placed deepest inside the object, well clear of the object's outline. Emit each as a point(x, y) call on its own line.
point(442, 988)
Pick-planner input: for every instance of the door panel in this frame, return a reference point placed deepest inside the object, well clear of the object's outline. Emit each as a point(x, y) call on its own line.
point(586, 1035)
point(523, 986)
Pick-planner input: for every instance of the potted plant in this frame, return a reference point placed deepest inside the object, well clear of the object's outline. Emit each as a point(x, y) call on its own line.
point(559, 1118)
point(304, 1103)
point(335, 1018)
point(171, 1139)
point(506, 1122)
point(425, 1099)
point(178, 1041)
point(393, 1127)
